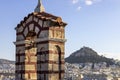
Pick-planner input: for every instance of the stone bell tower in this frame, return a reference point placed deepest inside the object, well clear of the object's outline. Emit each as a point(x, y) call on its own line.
point(40, 46)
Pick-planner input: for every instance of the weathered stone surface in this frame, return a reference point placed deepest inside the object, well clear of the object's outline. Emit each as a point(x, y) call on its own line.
point(22, 58)
point(44, 67)
point(31, 27)
point(20, 29)
point(51, 57)
point(43, 34)
point(40, 23)
point(26, 31)
point(26, 76)
point(38, 55)
point(33, 76)
point(35, 19)
point(30, 67)
point(55, 67)
point(54, 77)
point(33, 59)
point(43, 47)
point(46, 24)
point(29, 19)
point(36, 30)
point(20, 37)
point(20, 50)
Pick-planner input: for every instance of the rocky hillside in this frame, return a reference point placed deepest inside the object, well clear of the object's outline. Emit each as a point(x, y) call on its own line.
point(87, 54)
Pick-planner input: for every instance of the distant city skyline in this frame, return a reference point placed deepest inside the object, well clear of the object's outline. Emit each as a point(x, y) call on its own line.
point(91, 23)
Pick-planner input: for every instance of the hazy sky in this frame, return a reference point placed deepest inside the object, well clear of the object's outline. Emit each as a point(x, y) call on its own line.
point(91, 23)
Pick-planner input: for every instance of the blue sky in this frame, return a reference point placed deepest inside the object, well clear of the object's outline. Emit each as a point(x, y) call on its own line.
point(91, 23)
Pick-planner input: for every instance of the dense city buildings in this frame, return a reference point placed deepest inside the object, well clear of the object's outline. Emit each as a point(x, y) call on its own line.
point(73, 72)
point(77, 72)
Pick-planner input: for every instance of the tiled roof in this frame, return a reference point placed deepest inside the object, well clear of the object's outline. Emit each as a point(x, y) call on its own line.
point(44, 16)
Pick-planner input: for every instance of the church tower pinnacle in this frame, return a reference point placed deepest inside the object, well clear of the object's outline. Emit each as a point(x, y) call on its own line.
point(39, 7)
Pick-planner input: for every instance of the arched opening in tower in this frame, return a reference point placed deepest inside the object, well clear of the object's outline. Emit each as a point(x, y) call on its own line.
point(59, 60)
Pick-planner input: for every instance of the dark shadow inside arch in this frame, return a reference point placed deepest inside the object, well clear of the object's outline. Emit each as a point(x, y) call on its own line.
point(59, 60)
point(41, 58)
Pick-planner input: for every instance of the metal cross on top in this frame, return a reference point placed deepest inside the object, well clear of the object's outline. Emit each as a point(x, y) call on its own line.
point(39, 7)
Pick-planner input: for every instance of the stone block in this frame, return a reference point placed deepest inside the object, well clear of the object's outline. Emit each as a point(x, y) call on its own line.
point(43, 34)
point(51, 34)
point(29, 19)
point(55, 67)
point(56, 57)
point(42, 76)
point(30, 67)
point(26, 31)
point(43, 47)
point(51, 57)
point(40, 22)
point(35, 19)
point(43, 67)
point(20, 50)
point(46, 24)
point(50, 67)
point(53, 77)
point(25, 76)
point(31, 27)
point(33, 76)
point(20, 29)
point(36, 29)
point(20, 37)
point(33, 59)
point(62, 67)
point(22, 58)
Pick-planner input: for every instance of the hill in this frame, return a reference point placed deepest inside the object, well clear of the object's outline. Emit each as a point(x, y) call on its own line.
point(87, 54)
